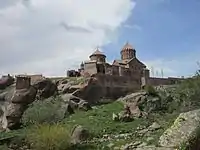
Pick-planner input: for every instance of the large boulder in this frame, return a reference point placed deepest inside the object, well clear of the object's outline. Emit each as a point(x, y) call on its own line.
point(76, 102)
point(64, 88)
point(45, 88)
point(3, 96)
point(6, 81)
point(183, 131)
point(14, 113)
point(92, 91)
point(14, 104)
point(24, 96)
point(84, 105)
point(141, 103)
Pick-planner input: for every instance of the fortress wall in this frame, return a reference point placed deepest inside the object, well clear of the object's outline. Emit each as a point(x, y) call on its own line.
point(163, 81)
point(116, 86)
point(23, 82)
point(102, 86)
point(90, 68)
point(35, 78)
point(116, 81)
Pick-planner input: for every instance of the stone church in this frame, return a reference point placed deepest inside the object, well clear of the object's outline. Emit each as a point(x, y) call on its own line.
point(129, 65)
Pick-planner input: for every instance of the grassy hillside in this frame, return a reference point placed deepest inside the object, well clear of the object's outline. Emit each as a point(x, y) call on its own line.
point(98, 121)
point(44, 125)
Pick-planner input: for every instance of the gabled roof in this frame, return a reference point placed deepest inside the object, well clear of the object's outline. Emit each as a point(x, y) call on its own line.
point(125, 62)
point(120, 62)
point(137, 61)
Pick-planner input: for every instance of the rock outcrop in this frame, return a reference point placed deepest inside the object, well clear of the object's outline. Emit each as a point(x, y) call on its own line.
point(45, 88)
point(6, 81)
point(16, 101)
point(140, 104)
point(185, 128)
point(14, 108)
point(76, 102)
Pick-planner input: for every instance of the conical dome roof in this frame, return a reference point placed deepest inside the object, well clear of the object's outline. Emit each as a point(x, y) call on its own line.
point(127, 46)
point(97, 52)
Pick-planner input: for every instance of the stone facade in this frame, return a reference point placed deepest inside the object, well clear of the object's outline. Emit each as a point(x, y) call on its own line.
point(23, 82)
point(128, 66)
point(33, 78)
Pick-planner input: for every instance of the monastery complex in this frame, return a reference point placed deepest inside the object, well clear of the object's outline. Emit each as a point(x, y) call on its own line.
point(128, 66)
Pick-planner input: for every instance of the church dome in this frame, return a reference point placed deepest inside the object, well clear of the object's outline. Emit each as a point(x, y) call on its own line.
point(97, 53)
point(127, 46)
point(98, 56)
point(128, 52)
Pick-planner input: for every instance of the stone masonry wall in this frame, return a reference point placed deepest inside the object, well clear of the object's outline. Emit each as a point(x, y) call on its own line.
point(163, 81)
point(90, 68)
point(23, 82)
point(102, 86)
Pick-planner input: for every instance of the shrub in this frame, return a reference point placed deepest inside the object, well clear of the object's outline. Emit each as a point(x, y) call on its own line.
point(3, 147)
point(184, 96)
point(151, 90)
point(48, 137)
point(47, 111)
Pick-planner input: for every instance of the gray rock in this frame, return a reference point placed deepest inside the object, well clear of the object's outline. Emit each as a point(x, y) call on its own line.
point(154, 126)
point(68, 110)
point(46, 88)
point(153, 148)
point(24, 96)
point(83, 105)
point(184, 128)
point(3, 96)
point(79, 134)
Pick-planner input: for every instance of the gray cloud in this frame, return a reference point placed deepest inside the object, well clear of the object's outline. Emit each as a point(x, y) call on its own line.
point(74, 28)
point(32, 38)
point(7, 3)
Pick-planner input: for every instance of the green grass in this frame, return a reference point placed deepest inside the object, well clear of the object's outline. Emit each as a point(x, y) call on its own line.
point(48, 137)
point(99, 122)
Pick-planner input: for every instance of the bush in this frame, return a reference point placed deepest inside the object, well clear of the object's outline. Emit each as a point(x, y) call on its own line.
point(3, 147)
point(184, 97)
point(48, 111)
point(48, 137)
point(151, 90)
point(188, 93)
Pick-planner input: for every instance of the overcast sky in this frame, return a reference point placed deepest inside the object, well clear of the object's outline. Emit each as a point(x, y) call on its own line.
point(51, 36)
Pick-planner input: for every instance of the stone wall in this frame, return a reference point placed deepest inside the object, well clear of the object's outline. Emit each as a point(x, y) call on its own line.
point(35, 78)
point(102, 86)
point(163, 81)
point(116, 81)
point(91, 68)
point(23, 82)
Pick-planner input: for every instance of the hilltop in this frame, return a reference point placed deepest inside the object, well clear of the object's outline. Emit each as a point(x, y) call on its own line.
point(53, 114)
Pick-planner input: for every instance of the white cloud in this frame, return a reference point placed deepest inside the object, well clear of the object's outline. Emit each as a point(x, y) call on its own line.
point(48, 36)
point(176, 67)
